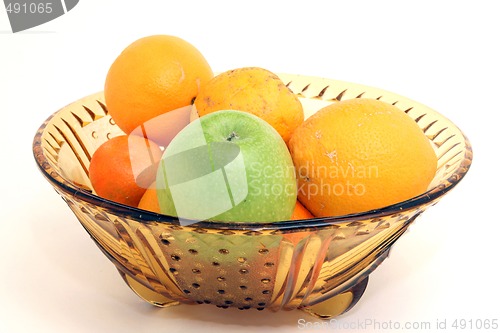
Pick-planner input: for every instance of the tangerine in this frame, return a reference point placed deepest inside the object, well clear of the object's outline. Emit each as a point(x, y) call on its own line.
point(123, 167)
point(149, 200)
point(300, 212)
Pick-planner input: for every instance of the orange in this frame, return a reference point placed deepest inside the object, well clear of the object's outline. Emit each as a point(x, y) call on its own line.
point(123, 167)
point(152, 76)
point(300, 212)
point(149, 200)
point(254, 90)
point(360, 154)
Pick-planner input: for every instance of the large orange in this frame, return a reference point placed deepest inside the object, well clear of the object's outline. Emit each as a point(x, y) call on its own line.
point(254, 90)
point(123, 167)
point(152, 76)
point(360, 154)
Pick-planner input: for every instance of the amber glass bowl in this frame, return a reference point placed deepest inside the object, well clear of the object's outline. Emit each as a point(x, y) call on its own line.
point(319, 265)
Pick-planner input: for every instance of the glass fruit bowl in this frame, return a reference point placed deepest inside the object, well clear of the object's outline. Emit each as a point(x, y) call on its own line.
point(319, 265)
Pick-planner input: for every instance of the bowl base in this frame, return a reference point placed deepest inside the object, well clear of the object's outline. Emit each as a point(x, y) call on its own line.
point(338, 304)
point(147, 294)
point(325, 310)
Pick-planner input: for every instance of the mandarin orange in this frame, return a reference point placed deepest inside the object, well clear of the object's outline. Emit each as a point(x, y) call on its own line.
point(300, 212)
point(122, 168)
point(149, 200)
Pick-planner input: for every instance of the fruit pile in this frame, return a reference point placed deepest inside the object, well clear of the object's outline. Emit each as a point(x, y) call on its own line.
point(235, 147)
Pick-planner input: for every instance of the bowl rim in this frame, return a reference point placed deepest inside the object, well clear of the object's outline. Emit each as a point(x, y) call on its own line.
point(144, 216)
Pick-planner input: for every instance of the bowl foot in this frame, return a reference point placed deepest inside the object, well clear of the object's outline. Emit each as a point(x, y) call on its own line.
point(147, 294)
point(338, 304)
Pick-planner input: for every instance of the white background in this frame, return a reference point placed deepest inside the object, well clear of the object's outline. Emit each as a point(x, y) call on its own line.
point(444, 54)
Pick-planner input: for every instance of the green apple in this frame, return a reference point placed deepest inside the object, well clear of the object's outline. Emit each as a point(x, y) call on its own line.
point(227, 166)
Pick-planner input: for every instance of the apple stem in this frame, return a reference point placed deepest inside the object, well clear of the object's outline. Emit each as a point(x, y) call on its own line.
point(232, 136)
